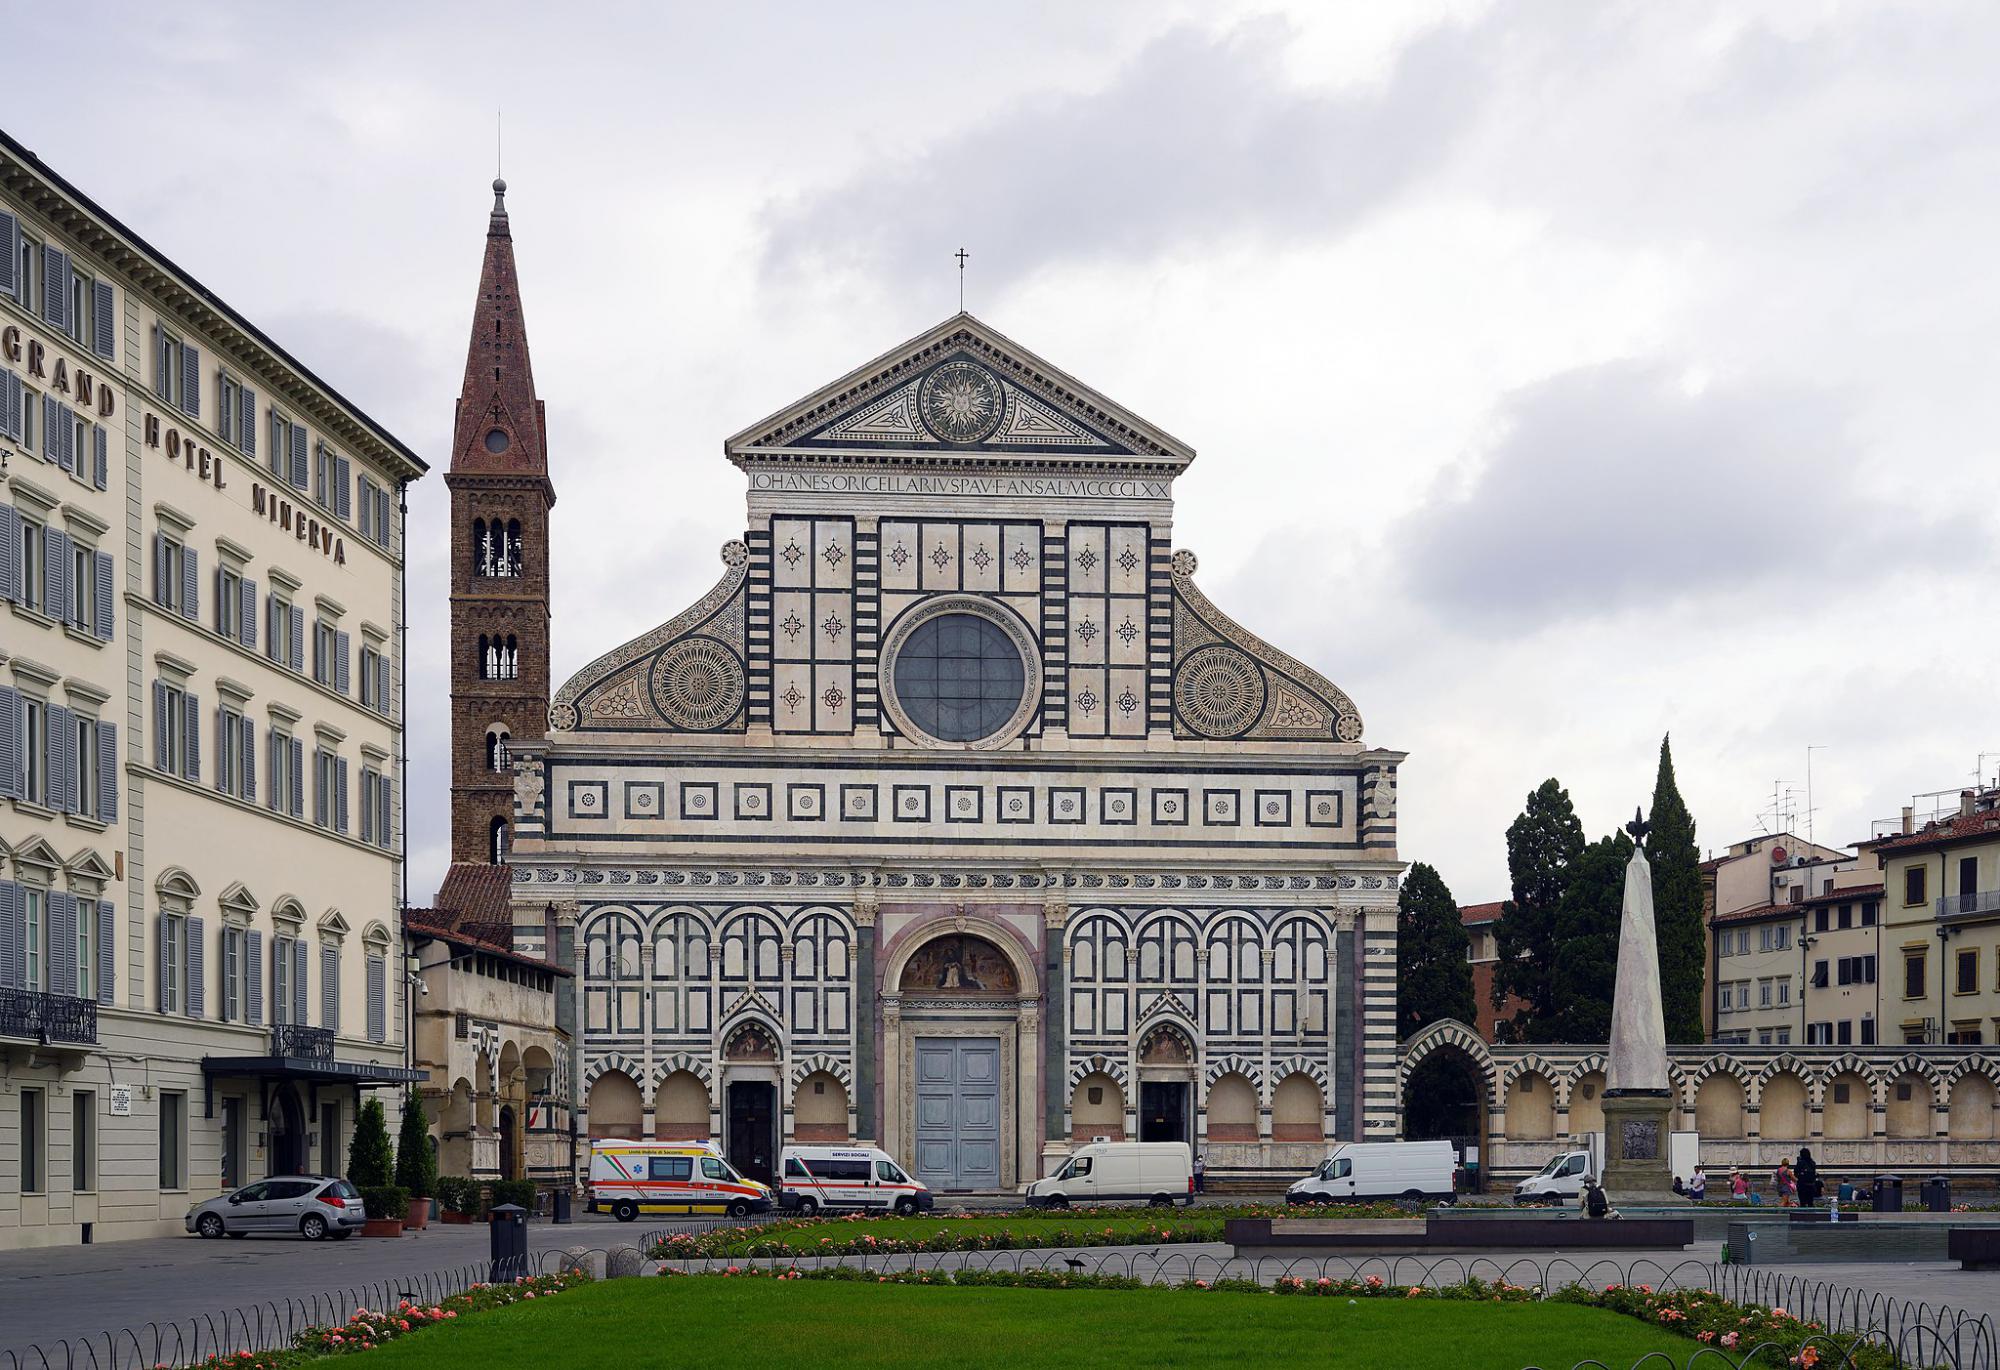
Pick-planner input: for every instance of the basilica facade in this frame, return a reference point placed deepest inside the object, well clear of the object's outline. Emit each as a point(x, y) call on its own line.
point(956, 817)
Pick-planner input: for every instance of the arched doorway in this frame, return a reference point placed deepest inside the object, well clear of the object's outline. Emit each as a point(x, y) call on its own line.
point(509, 1168)
point(750, 1100)
point(1166, 1091)
point(1445, 1097)
point(962, 1052)
point(288, 1132)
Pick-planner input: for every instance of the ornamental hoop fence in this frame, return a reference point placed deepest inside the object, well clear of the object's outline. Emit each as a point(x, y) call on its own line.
point(1919, 1333)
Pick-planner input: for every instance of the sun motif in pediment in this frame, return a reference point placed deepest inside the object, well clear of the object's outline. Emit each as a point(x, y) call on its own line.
point(961, 402)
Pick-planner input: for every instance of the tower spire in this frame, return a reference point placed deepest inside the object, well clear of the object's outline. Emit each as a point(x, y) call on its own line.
point(499, 424)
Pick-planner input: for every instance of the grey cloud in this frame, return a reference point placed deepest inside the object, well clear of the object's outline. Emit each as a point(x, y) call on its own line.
point(1200, 137)
point(1612, 487)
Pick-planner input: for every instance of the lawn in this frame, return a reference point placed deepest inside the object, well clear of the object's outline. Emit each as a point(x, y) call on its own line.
point(851, 1235)
point(758, 1322)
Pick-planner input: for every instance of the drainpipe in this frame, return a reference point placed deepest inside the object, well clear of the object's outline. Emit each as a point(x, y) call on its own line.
point(403, 761)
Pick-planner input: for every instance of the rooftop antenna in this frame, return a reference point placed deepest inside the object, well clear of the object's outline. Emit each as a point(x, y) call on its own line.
point(961, 254)
point(1810, 749)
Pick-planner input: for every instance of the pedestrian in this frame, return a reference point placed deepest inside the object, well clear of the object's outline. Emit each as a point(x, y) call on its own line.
point(1786, 1183)
point(1739, 1188)
point(1810, 1186)
point(1595, 1201)
point(1200, 1172)
point(1697, 1188)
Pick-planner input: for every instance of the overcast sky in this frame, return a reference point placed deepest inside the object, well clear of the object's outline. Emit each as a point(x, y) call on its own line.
point(1561, 375)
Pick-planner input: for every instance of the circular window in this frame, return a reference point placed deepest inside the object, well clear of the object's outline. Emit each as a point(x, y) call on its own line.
point(959, 677)
point(496, 441)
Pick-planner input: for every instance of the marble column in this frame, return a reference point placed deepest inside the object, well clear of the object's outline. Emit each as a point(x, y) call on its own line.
point(869, 1105)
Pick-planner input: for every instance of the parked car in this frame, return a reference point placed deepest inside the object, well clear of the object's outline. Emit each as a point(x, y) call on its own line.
point(313, 1206)
point(816, 1177)
point(1364, 1171)
point(1158, 1173)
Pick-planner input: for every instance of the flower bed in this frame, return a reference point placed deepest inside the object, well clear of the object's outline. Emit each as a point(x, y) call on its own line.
point(872, 1234)
point(368, 1328)
point(1740, 1329)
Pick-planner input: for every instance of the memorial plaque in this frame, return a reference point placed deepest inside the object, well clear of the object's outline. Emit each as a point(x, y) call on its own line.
point(1640, 1140)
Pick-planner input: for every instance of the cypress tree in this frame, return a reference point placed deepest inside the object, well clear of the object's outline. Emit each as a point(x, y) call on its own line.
point(1433, 978)
point(1542, 844)
point(1676, 862)
point(1586, 958)
point(416, 1163)
point(371, 1161)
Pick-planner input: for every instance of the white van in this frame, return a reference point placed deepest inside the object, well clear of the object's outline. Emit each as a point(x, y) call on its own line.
point(1562, 1178)
point(628, 1178)
point(814, 1177)
point(1362, 1171)
point(1158, 1173)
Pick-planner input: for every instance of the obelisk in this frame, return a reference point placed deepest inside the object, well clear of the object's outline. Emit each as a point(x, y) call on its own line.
point(1638, 1102)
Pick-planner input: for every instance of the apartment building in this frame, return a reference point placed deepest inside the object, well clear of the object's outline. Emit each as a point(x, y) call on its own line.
point(1941, 923)
point(201, 775)
point(1482, 949)
point(1752, 901)
point(1842, 955)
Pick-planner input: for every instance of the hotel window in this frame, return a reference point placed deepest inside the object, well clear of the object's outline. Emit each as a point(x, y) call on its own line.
point(34, 1142)
point(34, 939)
point(333, 481)
point(330, 656)
point(282, 991)
point(34, 750)
point(235, 753)
point(83, 1141)
point(288, 450)
point(287, 630)
point(229, 601)
point(34, 563)
point(176, 731)
point(236, 413)
point(376, 814)
point(287, 792)
point(1967, 973)
point(176, 571)
point(375, 679)
point(86, 948)
point(1914, 884)
point(27, 273)
point(1914, 975)
point(374, 518)
point(173, 1140)
point(177, 372)
point(173, 961)
point(232, 975)
point(329, 790)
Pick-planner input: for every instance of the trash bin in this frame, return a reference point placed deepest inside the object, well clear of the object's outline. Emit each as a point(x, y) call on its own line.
point(1937, 1194)
point(509, 1243)
point(1888, 1193)
point(560, 1206)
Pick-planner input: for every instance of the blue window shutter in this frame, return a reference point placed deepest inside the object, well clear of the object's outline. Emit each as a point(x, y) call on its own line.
point(298, 778)
point(378, 999)
point(329, 987)
point(367, 804)
point(246, 424)
point(11, 394)
point(105, 593)
point(160, 962)
point(10, 552)
point(62, 943)
point(160, 726)
point(190, 583)
point(191, 380)
point(340, 794)
point(10, 255)
point(367, 508)
point(163, 381)
point(192, 978)
point(107, 772)
point(249, 758)
point(55, 574)
point(12, 913)
point(60, 440)
point(299, 981)
point(385, 796)
point(246, 613)
point(298, 617)
point(160, 573)
point(343, 479)
point(192, 769)
point(62, 759)
point(107, 952)
point(55, 286)
point(253, 978)
point(341, 651)
point(103, 332)
point(298, 440)
point(222, 729)
point(100, 457)
point(12, 724)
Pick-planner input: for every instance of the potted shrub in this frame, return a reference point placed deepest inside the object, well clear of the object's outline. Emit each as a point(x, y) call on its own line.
point(416, 1163)
point(371, 1168)
point(520, 1192)
point(458, 1198)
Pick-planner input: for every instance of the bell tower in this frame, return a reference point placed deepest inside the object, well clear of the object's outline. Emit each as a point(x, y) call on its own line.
point(500, 503)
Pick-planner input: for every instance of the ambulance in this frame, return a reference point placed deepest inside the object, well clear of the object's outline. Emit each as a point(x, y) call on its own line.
point(814, 1177)
point(628, 1178)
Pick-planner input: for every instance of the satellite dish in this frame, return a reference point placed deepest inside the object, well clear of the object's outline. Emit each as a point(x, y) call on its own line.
point(1778, 857)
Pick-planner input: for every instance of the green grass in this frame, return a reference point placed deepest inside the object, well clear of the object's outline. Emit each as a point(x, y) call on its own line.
point(1138, 1227)
point(714, 1322)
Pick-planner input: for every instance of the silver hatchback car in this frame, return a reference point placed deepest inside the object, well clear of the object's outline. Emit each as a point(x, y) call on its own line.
point(313, 1206)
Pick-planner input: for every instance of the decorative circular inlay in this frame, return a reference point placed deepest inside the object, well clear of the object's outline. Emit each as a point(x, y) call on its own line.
point(960, 402)
point(1219, 691)
point(735, 552)
point(497, 441)
point(1348, 729)
point(1185, 563)
point(698, 684)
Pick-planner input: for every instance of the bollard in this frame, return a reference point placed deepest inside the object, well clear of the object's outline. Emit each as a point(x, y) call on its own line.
point(576, 1259)
point(624, 1262)
point(509, 1243)
point(559, 1206)
point(1888, 1193)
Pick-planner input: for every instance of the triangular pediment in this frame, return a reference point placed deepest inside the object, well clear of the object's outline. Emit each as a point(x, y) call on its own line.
point(961, 393)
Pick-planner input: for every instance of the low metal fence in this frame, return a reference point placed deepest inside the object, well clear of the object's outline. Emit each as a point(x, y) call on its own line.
point(1918, 1332)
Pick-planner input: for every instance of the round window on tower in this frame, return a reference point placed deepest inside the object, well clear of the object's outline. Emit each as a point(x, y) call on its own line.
point(960, 673)
point(497, 441)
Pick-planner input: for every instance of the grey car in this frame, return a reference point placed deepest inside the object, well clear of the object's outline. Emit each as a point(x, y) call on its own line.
point(311, 1206)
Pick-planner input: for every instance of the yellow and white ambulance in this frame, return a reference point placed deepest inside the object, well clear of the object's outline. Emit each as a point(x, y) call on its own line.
point(628, 1178)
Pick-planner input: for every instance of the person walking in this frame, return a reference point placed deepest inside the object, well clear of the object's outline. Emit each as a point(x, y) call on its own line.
point(1200, 1173)
point(1697, 1188)
point(1810, 1187)
point(1739, 1188)
point(1786, 1183)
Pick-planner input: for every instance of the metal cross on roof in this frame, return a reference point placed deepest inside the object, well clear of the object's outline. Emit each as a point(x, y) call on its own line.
point(961, 254)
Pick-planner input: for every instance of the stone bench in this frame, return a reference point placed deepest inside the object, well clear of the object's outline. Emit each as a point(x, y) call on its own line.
point(1974, 1248)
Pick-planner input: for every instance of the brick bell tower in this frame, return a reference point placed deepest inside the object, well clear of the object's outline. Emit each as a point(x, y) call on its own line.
point(500, 503)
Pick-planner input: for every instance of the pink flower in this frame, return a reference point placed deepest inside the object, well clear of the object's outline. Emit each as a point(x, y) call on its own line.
point(1729, 1339)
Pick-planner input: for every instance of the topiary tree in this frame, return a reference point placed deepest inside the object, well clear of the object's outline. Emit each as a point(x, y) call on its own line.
point(371, 1163)
point(416, 1163)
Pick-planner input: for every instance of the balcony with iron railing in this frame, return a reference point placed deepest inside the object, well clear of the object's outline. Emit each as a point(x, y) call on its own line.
point(1968, 905)
point(48, 1019)
point(296, 1041)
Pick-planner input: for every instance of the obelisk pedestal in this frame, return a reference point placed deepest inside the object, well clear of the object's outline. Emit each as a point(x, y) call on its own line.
point(1638, 1099)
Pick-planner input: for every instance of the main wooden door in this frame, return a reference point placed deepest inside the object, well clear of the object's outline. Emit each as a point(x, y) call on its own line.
point(958, 1112)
